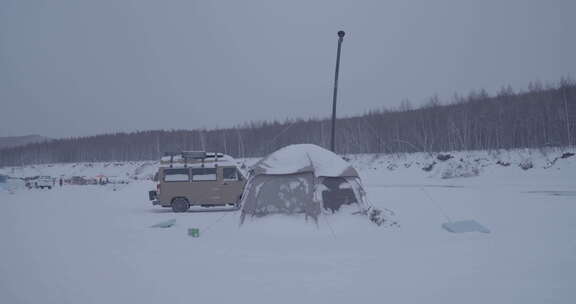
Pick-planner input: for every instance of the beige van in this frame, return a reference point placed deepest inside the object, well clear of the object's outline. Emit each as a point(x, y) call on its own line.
point(197, 178)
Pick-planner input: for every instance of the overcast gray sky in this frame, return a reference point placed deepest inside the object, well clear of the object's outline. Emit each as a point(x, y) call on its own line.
point(70, 68)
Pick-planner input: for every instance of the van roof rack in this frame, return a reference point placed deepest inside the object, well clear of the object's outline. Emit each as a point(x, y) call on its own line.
point(191, 156)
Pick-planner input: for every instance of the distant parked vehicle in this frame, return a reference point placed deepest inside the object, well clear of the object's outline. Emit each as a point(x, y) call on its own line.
point(78, 180)
point(44, 182)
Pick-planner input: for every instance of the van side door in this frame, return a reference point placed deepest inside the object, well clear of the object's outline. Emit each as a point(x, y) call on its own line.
point(232, 184)
point(205, 186)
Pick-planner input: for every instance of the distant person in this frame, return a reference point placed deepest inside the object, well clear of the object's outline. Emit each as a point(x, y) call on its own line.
point(61, 182)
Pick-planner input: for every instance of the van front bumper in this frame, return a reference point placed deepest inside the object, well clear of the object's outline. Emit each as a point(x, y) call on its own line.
point(153, 196)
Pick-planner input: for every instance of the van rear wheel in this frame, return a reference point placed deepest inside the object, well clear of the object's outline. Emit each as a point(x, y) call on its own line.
point(180, 204)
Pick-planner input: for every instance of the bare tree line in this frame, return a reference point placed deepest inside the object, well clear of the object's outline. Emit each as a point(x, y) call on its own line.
point(540, 116)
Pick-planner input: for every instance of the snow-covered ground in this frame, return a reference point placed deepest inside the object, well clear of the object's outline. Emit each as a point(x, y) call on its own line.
point(90, 244)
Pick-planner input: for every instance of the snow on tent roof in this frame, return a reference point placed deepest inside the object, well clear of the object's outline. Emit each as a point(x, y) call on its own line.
point(304, 158)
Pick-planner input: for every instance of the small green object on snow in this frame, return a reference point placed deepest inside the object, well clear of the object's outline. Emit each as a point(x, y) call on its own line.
point(164, 224)
point(194, 232)
point(465, 226)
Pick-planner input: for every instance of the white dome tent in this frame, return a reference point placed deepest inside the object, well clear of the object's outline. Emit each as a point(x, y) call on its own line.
point(304, 179)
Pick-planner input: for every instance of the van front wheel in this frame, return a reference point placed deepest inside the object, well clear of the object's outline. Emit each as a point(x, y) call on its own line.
point(180, 204)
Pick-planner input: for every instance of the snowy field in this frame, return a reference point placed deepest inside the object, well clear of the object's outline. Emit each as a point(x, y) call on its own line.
point(91, 244)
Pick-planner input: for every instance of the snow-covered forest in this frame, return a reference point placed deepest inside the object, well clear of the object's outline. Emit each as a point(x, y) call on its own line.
point(542, 115)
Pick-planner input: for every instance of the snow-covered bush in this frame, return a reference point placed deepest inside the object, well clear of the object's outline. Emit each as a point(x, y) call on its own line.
point(460, 168)
point(526, 164)
point(429, 167)
point(444, 157)
point(392, 166)
point(380, 217)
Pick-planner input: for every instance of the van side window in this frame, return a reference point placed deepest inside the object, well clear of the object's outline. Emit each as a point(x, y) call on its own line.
point(204, 174)
point(230, 174)
point(176, 175)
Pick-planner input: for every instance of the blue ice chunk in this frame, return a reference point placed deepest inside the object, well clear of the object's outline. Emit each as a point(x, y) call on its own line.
point(465, 226)
point(164, 224)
